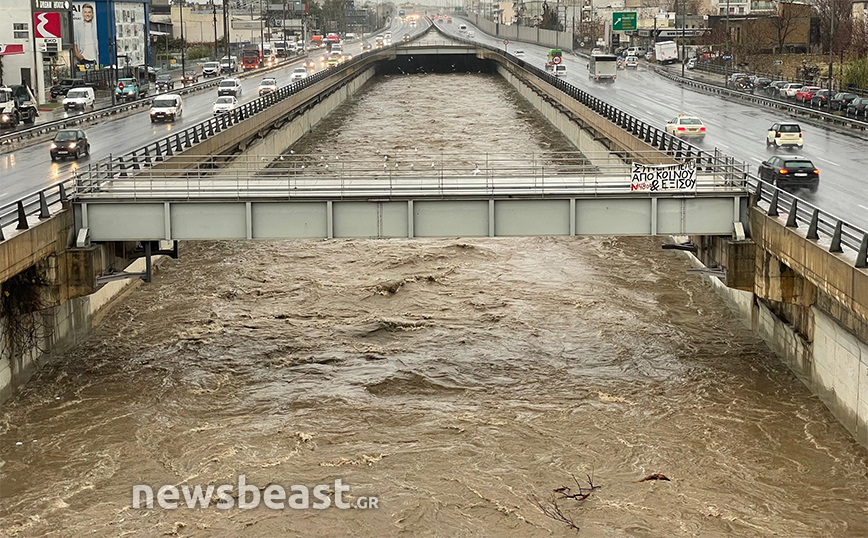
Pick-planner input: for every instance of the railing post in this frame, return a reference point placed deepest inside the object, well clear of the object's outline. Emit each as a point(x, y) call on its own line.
point(861, 258)
point(773, 205)
point(836, 239)
point(43, 206)
point(791, 218)
point(812, 228)
point(22, 217)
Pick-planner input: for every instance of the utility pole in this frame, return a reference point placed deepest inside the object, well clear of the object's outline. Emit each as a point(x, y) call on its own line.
point(683, 22)
point(226, 25)
point(214, 10)
point(183, 45)
point(261, 30)
point(726, 52)
point(831, 45)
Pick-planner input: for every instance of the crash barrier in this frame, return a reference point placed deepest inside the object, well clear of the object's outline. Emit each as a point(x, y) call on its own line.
point(792, 108)
point(47, 127)
point(39, 202)
point(727, 71)
point(841, 233)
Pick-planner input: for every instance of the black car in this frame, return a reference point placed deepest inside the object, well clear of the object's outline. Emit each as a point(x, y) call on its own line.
point(841, 100)
point(794, 172)
point(858, 108)
point(761, 83)
point(69, 142)
point(165, 83)
point(820, 99)
point(774, 89)
point(61, 89)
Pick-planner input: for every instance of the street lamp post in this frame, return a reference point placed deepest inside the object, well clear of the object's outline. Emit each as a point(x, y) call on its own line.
point(261, 30)
point(831, 44)
point(683, 22)
point(214, 10)
point(183, 44)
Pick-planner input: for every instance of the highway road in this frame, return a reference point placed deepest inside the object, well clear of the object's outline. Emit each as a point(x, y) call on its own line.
point(30, 168)
point(736, 128)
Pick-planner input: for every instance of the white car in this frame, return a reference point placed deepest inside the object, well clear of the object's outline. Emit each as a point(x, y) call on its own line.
point(267, 85)
point(78, 98)
point(632, 61)
point(789, 90)
point(298, 73)
point(229, 86)
point(225, 104)
point(686, 127)
point(167, 107)
point(519, 53)
point(784, 134)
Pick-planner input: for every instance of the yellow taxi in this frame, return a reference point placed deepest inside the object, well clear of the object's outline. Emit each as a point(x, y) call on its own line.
point(686, 127)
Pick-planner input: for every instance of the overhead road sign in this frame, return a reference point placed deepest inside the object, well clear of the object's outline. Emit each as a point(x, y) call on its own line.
point(623, 21)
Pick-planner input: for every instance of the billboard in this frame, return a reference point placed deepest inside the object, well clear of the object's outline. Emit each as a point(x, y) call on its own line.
point(46, 24)
point(130, 32)
point(85, 32)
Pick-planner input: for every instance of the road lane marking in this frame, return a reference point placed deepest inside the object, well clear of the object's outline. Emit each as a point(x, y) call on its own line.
point(830, 162)
point(863, 207)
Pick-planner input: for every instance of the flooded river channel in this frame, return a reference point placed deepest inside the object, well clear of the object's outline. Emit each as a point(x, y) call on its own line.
point(459, 382)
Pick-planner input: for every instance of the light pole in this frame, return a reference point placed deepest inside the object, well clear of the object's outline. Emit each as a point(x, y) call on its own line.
point(261, 30)
point(831, 45)
point(684, 50)
point(226, 25)
point(183, 45)
point(214, 10)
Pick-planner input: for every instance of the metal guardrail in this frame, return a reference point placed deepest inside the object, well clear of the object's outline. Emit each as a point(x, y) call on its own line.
point(395, 174)
point(722, 70)
point(38, 203)
point(792, 108)
point(680, 150)
point(40, 129)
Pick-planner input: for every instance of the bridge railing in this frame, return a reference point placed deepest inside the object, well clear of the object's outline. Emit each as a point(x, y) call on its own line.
point(290, 175)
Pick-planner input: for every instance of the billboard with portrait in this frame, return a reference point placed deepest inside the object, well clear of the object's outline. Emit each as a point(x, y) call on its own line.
point(85, 33)
point(130, 28)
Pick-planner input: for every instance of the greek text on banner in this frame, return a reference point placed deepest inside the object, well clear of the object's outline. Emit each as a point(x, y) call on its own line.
point(663, 177)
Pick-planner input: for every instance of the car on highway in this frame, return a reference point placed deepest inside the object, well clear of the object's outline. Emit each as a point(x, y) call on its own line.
point(632, 62)
point(686, 127)
point(164, 83)
point(858, 108)
point(774, 88)
point(788, 90)
point(130, 89)
point(366, 46)
point(65, 85)
point(229, 86)
point(190, 77)
point(760, 83)
point(332, 62)
point(820, 99)
point(69, 143)
point(784, 134)
point(310, 65)
point(841, 100)
point(225, 104)
point(269, 84)
point(597, 50)
point(297, 74)
point(790, 172)
point(78, 98)
point(166, 107)
point(211, 69)
point(519, 53)
point(805, 93)
point(649, 56)
point(691, 63)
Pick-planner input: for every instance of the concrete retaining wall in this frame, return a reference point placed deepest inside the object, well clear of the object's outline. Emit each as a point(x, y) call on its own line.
point(833, 365)
point(63, 326)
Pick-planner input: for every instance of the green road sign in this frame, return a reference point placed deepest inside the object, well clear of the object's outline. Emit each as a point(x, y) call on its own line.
point(623, 21)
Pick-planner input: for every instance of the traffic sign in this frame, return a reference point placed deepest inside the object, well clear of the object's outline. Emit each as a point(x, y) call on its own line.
point(776, 62)
point(121, 86)
point(727, 57)
point(556, 60)
point(625, 21)
point(506, 41)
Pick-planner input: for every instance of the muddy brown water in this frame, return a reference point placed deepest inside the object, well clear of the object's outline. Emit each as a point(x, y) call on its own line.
point(456, 380)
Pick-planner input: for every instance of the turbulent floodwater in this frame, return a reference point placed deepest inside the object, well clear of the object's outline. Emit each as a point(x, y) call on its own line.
point(455, 380)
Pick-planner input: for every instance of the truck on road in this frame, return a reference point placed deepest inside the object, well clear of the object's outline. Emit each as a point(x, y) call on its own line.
point(17, 104)
point(556, 57)
point(666, 52)
point(603, 67)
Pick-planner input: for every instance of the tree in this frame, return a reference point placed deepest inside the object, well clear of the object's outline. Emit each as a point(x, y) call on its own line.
point(785, 22)
point(549, 20)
